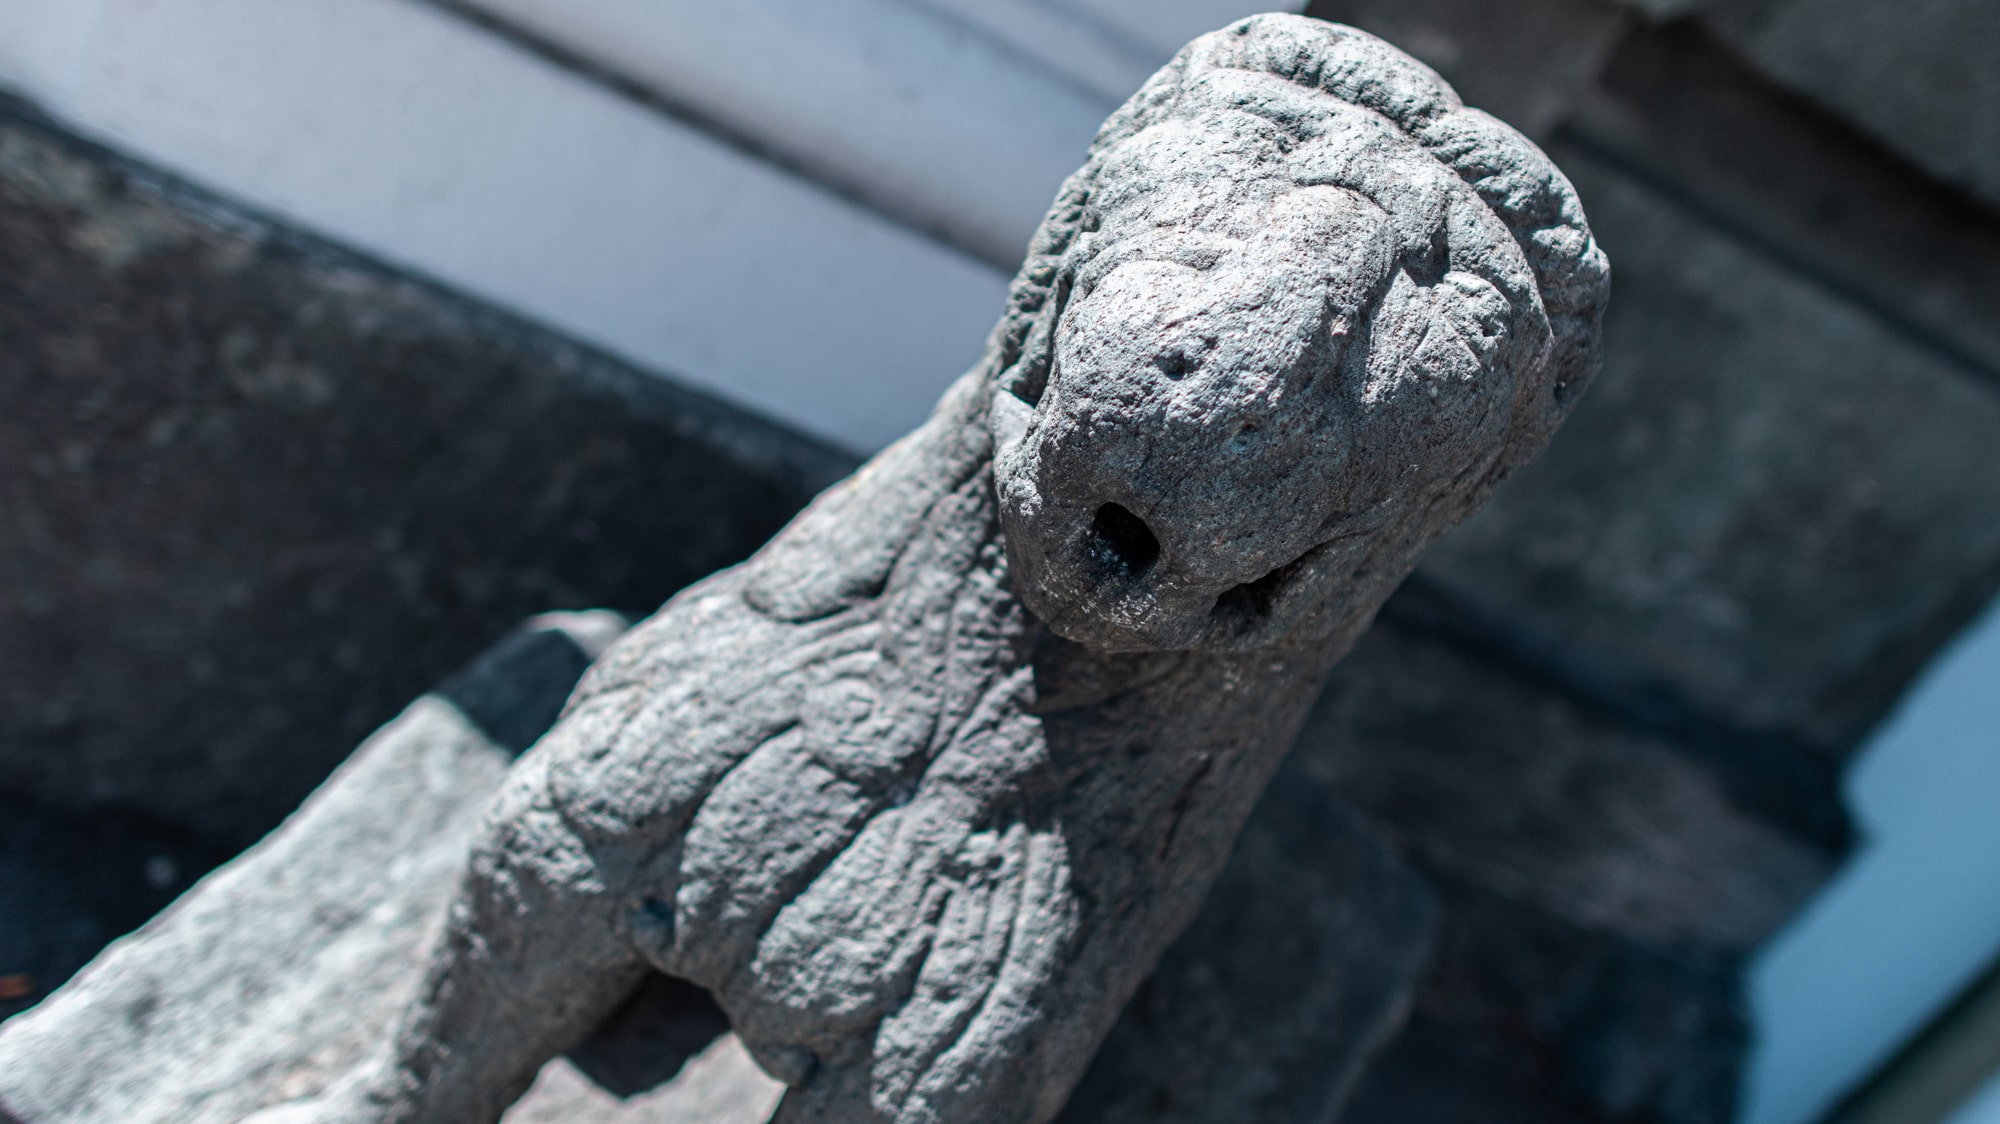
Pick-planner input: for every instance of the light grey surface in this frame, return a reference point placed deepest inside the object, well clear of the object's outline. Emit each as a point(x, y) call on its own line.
point(923, 791)
point(1922, 77)
point(283, 967)
point(720, 1085)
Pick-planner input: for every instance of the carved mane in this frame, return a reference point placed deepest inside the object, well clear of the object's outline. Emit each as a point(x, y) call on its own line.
point(1347, 68)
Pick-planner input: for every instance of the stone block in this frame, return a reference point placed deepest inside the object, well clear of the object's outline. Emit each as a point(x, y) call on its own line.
point(279, 971)
point(1769, 511)
point(1525, 1019)
point(1499, 782)
point(256, 493)
point(1920, 76)
point(1301, 964)
point(1679, 109)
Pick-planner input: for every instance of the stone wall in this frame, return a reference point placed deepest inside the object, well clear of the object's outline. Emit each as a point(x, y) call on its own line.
point(1610, 714)
point(258, 493)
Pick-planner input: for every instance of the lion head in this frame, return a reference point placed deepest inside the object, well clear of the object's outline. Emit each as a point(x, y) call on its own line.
point(1296, 315)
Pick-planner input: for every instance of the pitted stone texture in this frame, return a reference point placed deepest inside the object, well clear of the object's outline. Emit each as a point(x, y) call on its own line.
point(922, 802)
point(923, 791)
point(1278, 293)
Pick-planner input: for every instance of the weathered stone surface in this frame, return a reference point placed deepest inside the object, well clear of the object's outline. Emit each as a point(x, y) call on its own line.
point(1502, 783)
point(1771, 511)
point(719, 1085)
point(1602, 886)
point(1712, 135)
point(1918, 75)
point(1525, 1019)
point(255, 494)
point(1301, 963)
point(921, 802)
point(285, 966)
point(1615, 806)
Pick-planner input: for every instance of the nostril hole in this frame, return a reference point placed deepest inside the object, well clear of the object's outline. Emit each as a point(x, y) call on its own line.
point(1121, 542)
point(1255, 599)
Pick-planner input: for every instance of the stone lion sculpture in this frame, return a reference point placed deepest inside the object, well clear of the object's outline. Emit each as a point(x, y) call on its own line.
point(923, 790)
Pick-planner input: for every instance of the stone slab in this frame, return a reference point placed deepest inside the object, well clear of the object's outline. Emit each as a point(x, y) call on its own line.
point(1500, 782)
point(257, 493)
point(1301, 964)
point(1526, 62)
point(1679, 108)
point(1527, 1019)
point(1917, 75)
point(1771, 509)
point(281, 969)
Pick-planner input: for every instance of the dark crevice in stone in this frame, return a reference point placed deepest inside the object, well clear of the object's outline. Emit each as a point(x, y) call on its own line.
point(1121, 543)
point(71, 883)
point(515, 690)
point(644, 1045)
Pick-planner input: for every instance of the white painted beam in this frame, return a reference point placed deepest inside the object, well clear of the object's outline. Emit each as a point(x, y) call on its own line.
point(410, 134)
point(897, 103)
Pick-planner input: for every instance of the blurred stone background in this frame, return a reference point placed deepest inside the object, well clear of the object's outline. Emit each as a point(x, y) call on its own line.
point(272, 464)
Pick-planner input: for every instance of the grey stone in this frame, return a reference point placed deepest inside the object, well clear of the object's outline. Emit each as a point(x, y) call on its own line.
point(1680, 111)
point(282, 967)
point(1526, 1019)
point(1303, 958)
point(923, 791)
point(256, 493)
point(1502, 783)
point(720, 1085)
point(1771, 511)
point(1528, 62)
point(1301, 964)
point(1917, 75)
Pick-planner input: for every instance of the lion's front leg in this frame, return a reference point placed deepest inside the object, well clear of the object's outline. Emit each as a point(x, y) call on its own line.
point(531, 961)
